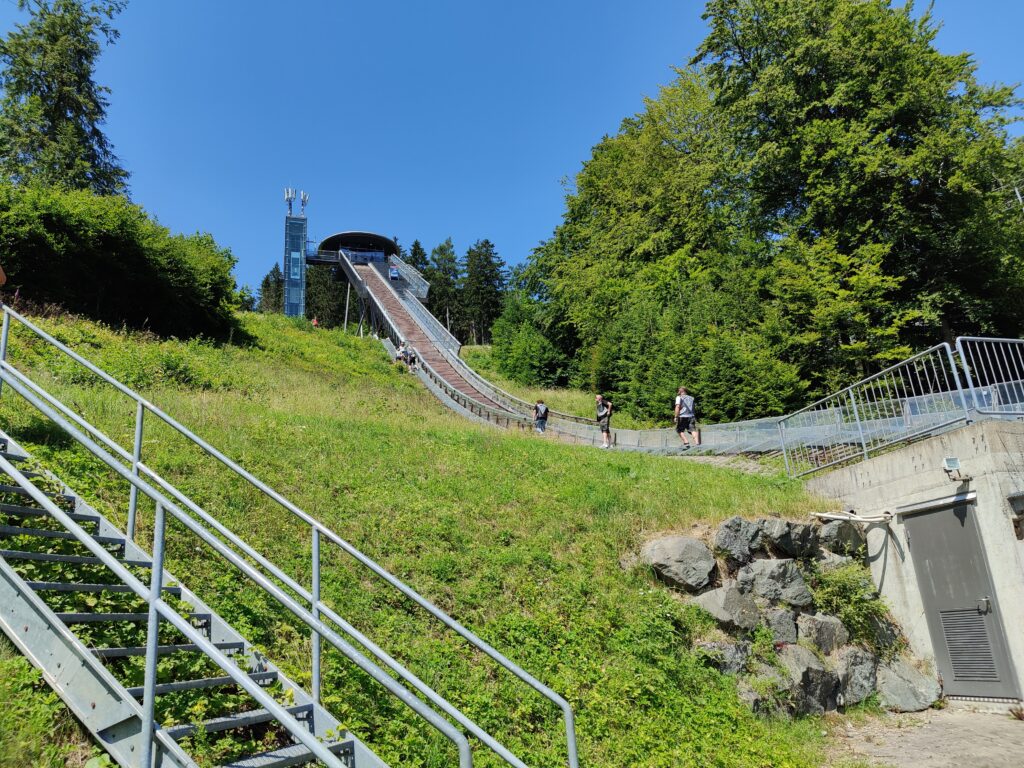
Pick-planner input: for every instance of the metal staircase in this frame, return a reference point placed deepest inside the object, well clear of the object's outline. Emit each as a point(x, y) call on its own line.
point(127, 645)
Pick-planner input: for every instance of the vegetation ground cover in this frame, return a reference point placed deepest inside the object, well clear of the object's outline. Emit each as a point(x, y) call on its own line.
point(518, 537)
point(564, 399)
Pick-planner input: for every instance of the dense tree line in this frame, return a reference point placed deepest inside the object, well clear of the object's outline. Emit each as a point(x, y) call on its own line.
point(68, 234)
point(817, 194)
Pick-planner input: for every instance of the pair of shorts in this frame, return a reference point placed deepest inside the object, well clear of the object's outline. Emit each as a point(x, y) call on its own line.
point(604, 425)
point(686, 424)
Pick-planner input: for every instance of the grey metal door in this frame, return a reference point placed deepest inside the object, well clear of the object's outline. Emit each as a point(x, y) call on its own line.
point(960, 605)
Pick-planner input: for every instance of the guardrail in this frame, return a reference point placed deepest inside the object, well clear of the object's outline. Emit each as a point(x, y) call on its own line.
point(995, 374)
point(418, 286)
point(133, 468)
point(916, 397)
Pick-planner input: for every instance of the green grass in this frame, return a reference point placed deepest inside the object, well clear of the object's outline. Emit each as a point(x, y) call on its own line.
point(36, 730)
point(572, 401)
point(517, 537)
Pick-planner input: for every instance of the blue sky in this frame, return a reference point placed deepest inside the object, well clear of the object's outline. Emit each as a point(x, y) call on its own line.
point(414, 119)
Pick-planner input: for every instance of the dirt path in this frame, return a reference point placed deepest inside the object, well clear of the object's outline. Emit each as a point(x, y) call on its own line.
point(948, 738)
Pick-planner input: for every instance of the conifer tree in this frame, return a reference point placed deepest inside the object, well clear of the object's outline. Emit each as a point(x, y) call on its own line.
point(272, 290)
point(418, 256)
point(444, 275)
point(483, 283)
point(52, 110)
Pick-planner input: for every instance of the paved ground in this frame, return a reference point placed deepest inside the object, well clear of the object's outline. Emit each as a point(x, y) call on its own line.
point(948, 738)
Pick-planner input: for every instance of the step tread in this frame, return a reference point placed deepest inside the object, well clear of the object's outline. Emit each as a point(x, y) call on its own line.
point(202, 682)
point(19, 510)
point(5, 488)
point(47, 557)
point(161, 650)
point(17, 530)
point(230, 722)
point(65, 586)
point(296, 754)
point(90, 618)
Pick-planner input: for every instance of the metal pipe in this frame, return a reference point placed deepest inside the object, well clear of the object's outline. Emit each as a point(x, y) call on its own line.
point(4, 331)
point(153, 635)
point(315, 602)
point(133, 494)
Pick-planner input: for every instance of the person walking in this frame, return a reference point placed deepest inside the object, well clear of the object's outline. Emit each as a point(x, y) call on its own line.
point(540, 417)
point(686, 418)
point(604, 418)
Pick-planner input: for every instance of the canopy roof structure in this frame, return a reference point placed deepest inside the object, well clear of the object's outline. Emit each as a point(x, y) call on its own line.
point(359, 241)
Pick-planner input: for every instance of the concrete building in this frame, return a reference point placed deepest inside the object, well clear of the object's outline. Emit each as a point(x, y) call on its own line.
point(950, 560)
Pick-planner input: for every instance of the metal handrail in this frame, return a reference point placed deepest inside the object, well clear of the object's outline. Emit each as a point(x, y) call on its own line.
point(411, 275)
point(14, 379)
point(319, 530)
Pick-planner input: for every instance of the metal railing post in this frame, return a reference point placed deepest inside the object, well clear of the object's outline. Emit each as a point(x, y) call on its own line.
point(3, 340)
point(133, 499)
point(856, 418)
point(315, 590)
point(956, 378)
point(782, 439)
point(152, 637)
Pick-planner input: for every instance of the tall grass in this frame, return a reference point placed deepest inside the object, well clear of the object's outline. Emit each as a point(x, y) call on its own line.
point(518, 537)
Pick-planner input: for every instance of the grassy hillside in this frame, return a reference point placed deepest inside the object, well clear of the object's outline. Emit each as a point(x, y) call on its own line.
point(518, 537)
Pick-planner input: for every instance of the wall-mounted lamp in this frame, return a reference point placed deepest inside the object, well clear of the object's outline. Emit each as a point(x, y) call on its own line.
point(951, 466)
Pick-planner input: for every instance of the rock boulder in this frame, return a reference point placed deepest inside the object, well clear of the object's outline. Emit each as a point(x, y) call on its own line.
point(680, 561)
point(782, 625)
point(732, 609)
point(903, 688)
point(786, 538)
point(730, 658)
point(858, 673)
point(822, 631)
point(841, 536)
point(777, 580)
point(737, 539)
point(812, 687)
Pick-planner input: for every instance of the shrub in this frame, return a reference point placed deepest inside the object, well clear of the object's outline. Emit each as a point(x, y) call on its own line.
point(104, 257)
point(848, 593)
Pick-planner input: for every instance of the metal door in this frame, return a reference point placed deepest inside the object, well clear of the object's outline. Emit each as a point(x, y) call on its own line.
point(960, 605)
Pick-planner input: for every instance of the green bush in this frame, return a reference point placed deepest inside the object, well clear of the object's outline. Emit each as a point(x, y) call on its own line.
point(848, 593)
point(104, 257)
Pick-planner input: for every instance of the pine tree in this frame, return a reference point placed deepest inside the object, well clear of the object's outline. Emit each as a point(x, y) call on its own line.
point(482, 287)
point(52, 109)
point(325, 296)
point(418, 256)
point(272, 290)
point(443, 274)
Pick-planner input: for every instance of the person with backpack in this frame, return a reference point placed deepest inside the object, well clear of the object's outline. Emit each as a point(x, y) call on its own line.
point(604, 417)
point(540, 417)
point(686, 418)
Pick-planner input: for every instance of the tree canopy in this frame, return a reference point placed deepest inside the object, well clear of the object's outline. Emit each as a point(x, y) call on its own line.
point(814, 196)
point(52, 110)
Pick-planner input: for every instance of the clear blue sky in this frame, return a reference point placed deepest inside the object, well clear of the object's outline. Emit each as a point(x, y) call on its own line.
point(414, 119)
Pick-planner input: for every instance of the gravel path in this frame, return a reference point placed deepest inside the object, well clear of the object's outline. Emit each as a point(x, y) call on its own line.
point(948, 738)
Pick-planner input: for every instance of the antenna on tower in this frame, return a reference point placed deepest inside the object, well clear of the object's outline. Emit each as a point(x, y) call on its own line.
point(303, 201)
point(289, 197)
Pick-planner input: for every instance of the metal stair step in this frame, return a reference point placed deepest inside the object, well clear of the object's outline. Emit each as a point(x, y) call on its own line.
point(46, 557)
point(5, 488)
point(297, 754)
point(13, 457)
point(15, 530)
point(66, 586)
point(17, 510)
point(230, 722)
point(200, 683)
point(161, 650)
point(97, 618)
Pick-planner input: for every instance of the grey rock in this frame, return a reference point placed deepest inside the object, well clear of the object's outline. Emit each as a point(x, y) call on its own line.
point(841, 536)
point(782, 625)
point(737, 539)
point(858, 674)
point(822, 631)
point(680, 561)
point(786, 538)
point(730, 658)
point(830, 560)
point(775, 580)
point(812, 687)
point(884, 633)
point(732, 609)
point(903, 688)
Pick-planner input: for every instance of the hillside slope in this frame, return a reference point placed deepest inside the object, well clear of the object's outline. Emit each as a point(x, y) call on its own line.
point(518, 537)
